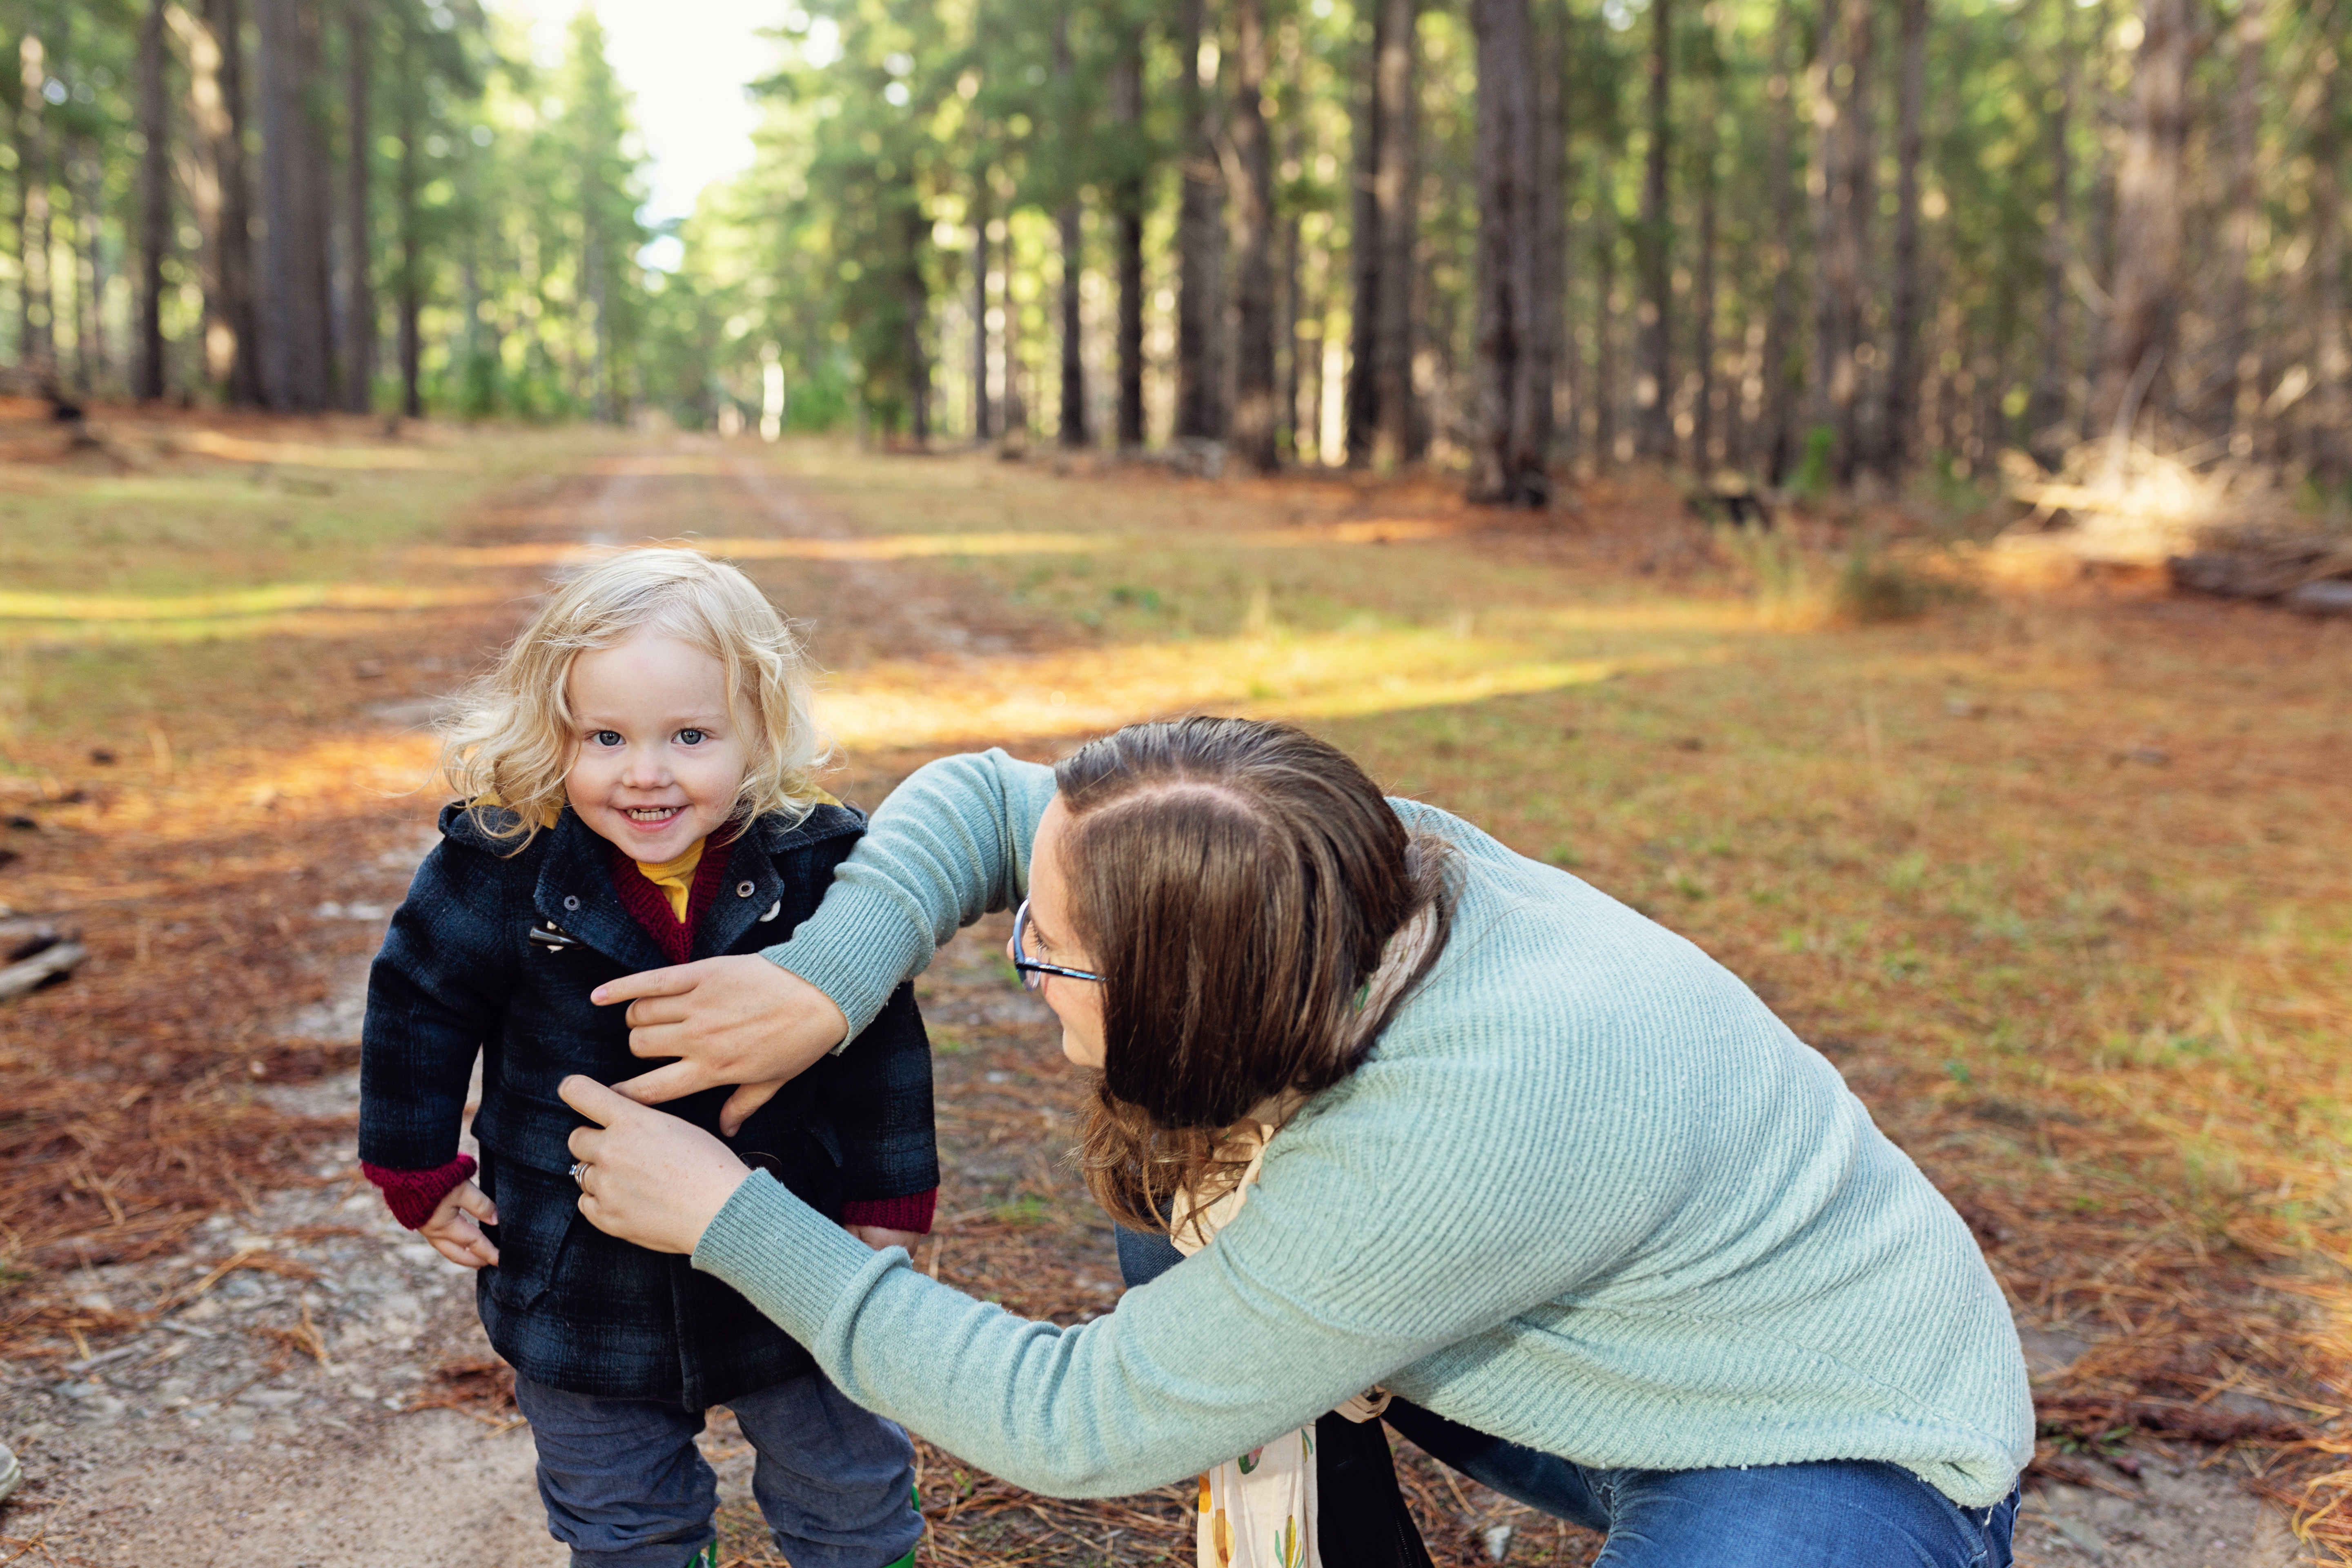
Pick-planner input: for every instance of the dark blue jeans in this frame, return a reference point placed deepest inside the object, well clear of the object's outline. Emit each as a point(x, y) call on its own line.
point(1848, 1513)
point(625, 1487)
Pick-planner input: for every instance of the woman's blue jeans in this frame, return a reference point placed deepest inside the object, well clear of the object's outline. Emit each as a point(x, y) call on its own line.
point(1849, 1513)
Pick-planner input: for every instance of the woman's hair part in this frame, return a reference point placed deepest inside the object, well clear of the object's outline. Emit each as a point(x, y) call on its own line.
point(511, 743)
point(1237, 883)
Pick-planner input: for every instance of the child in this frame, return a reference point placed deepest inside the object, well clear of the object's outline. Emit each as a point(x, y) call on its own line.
point(634, 775)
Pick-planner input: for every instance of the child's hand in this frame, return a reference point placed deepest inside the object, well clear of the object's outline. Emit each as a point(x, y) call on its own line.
point(880, 1237)
point(452, 1230)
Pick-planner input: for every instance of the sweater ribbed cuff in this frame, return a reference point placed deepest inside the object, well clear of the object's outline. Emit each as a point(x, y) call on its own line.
point(412, 1195)
point(856, 949)
point(787, 1259)
point(912, 1213)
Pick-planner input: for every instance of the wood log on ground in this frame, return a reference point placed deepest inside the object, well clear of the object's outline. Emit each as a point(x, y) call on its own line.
point(2332, 597)
point(25, 935)
point(2259, 565)
point(35, 950)
point(38, 970)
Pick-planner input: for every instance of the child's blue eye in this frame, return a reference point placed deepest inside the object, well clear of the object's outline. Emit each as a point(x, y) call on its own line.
point(690, 737)
point(606, 737)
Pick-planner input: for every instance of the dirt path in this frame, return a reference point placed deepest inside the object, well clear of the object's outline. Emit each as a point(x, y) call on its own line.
point(274, 1416)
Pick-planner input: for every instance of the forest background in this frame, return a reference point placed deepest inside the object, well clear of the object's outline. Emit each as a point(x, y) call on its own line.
point(1822, 243)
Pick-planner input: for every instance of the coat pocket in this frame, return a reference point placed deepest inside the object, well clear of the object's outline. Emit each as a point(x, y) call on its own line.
point(537, 1215)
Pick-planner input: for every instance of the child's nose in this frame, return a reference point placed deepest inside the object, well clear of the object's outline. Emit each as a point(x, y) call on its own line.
point(644, 772)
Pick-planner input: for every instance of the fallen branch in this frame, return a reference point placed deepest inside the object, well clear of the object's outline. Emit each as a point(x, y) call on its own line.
point(38, 970)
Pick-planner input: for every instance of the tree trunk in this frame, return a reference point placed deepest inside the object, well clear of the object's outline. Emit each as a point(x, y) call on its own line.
point(1780, 321)
point(1198, 307)
point(1654, 384)
point(237, 309)
point(2049, 434)
point(1900, 411)
point(1553, 68)
point(1286, 334)
point(1842, 244)
point(410, 289)
point(198, 171)
point(1514, 360)
point(1366, 262)
point(917, 302)
point(1396, 425)
point(1127, 114)
point(1703, 293)
point(37, 334)
point(1255, 421)
point(154, 202)
point(1012, 403)
point(294, 252)
point(2328, 443)
point(2148, 222)
point(2240, 374)
point(359, 294)
point(1604, 307)
point(1071, 427)
point(1072, 424)
point(86, 179)
point(983, 420)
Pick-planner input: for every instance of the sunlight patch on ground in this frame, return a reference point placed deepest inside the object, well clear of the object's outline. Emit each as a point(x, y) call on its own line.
point(303, 455)
point(277, 596)
point(910, 546)
point(1094, 690)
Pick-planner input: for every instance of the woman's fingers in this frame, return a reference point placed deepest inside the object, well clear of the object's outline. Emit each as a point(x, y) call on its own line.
point(648, 1177)
point(670, 982)
point(675, 1081)
point(739, 1019)
point(595, 1101)
point(744, 1101)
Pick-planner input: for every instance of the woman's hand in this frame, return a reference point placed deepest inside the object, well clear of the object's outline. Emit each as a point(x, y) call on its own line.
point(452, 1229)
point(736, 1020)
point(646, 1176)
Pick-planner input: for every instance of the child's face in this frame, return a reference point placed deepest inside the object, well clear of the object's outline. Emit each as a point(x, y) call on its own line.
point(658, 756)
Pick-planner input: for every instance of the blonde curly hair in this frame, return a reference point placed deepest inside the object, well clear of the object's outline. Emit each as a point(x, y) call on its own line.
point(509, 745)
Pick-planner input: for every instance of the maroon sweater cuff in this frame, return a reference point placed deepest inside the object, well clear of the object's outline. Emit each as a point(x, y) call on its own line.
point(412, 1195)
point(913, 1213)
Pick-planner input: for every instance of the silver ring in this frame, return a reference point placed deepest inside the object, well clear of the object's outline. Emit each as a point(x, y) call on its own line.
point(578, 1166)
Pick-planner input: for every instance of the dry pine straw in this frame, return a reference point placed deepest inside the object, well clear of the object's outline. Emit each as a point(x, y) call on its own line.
point(129, 1116)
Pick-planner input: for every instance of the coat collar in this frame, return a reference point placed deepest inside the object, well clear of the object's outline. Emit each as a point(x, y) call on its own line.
point(574, 887)
point(752, 886)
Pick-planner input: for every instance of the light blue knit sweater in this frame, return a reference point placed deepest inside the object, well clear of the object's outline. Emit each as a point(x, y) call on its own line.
point(1588, 1195)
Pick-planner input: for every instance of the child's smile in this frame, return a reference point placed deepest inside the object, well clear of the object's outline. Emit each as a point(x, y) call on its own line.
point(658, 760)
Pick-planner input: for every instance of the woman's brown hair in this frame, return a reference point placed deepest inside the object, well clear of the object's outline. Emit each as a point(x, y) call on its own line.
point(1236, 883)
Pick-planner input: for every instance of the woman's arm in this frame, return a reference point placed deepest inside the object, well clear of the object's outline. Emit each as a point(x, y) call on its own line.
point(1208, 1361)
point(950, 845)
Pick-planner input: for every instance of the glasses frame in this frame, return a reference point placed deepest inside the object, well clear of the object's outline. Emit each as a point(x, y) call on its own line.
point(1033, 974)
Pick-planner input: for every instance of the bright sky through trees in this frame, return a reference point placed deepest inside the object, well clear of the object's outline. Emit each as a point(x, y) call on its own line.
point(686, 67)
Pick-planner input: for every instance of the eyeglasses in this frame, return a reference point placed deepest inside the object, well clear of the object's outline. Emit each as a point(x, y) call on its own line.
point(1033, 974)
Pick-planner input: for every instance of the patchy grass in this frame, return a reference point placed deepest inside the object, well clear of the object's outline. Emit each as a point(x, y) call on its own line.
point(2059, 882)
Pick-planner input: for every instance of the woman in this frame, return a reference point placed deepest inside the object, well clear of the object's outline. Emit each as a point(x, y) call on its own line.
point(1621, 1245)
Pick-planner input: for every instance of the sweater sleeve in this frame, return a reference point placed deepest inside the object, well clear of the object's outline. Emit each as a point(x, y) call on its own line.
point(948, 846)
point(1326, 1283)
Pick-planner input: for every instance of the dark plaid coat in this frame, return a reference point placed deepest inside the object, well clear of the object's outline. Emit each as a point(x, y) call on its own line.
point(495, 952)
